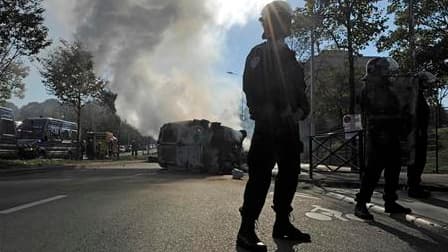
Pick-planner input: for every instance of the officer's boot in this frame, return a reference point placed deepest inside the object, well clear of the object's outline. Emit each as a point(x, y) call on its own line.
point(283, 229)
point(393, 207)
point(418, 192)
point(362, 212)
point(247, 238)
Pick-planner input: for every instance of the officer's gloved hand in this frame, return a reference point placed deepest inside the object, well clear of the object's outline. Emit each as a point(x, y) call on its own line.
point(294, 116)
point(298, 115)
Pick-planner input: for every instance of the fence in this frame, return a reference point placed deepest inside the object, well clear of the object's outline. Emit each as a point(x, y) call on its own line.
point(333, 151)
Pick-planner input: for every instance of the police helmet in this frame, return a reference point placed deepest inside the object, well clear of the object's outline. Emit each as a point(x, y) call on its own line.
point(381, 66)
point(277, 9)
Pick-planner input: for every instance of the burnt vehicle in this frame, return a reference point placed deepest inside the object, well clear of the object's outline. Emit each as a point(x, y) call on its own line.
point(46, 137)
point(200, 146)
point(8, 140)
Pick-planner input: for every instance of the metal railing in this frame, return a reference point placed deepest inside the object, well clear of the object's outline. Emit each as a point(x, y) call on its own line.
point(333, 151)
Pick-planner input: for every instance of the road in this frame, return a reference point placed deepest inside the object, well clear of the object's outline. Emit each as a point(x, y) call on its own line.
point(145, 208)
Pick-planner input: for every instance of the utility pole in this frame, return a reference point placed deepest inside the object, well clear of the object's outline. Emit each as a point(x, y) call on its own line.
point(313, 40)
point(411, 35)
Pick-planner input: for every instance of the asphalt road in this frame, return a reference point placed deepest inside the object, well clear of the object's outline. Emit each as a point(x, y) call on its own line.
point(149, 209)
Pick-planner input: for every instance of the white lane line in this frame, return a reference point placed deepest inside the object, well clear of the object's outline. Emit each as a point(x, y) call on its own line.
point(28, 205)
point(306, 196)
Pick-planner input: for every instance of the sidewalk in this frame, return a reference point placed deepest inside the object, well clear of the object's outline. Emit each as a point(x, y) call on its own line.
point(86, 164)
point(347, 179)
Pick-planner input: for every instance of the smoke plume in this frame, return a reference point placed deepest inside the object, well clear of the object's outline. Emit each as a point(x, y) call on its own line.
point(160, 56)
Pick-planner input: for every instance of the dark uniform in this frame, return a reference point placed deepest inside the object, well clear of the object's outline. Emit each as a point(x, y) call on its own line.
point(385, 123)
point(381, 108)
point(415, 170)
point(275, 91)
point(273, 80)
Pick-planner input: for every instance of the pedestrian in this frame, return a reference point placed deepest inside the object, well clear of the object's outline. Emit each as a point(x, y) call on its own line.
point(384, 125)
point(415, 169)
point(274, 85)
point(134, 148)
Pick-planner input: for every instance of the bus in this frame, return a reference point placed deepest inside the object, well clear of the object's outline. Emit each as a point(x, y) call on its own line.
point(46, 137)
point(8, 140)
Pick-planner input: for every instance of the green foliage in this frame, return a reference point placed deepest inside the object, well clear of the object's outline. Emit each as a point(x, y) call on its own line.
point(339, 23)
point(431, 41)
point(11, 81)
point(343, 24)
point(68, 74)
point(22, 34)
point(431, 35)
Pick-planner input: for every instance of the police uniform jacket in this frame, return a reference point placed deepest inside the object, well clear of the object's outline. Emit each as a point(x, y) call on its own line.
point(272, 81)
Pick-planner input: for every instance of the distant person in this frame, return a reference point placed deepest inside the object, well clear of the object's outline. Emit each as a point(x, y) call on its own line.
point(83, 149)
point(381, 112)
point(415, 190)
point(275, 89)
point(134, 148)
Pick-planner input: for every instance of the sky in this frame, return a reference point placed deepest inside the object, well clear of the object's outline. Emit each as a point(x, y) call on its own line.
point(167, 59)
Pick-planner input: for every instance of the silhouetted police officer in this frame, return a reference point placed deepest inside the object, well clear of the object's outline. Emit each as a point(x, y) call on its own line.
point(384, 124)
point(415, 170)
point(275, 90)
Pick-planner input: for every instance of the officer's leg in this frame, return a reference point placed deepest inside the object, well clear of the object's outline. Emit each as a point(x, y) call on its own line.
point(415, 171)
point(372, 173)
point(289, 148)
point(288, 175)
point(260, 161)
point(392, 177)
point(392, 171)
point(369, 178)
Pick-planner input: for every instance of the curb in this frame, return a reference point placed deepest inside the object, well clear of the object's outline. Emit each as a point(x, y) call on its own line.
point(355, 184)
point(20, 171)
point(411, 218)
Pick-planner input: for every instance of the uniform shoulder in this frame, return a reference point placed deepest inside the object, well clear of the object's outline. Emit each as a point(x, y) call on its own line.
point(258, 49)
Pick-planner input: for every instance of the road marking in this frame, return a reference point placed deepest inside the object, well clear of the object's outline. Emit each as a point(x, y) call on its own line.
point(307, 196)
point(300, 195)
point(28, 205)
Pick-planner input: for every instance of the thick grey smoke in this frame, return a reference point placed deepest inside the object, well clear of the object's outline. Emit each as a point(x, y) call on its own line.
point(160, 56)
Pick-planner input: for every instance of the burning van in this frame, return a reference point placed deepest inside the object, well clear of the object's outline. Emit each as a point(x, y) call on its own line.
point(200, 146)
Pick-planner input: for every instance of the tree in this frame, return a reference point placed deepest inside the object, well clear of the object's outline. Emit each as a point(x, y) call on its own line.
point(107, 99)
point(345, 24)
point(431, 35)
point(22, 34)
point(68, 74)
point(11, 81)
point(430, 38)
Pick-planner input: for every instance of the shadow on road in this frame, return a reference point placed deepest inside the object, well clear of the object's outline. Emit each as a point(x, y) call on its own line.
point(419, 244)
point(286, 246)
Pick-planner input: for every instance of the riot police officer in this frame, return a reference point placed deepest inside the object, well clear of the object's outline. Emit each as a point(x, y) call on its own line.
point(274, 86)
point(384, 124)
point(415, 170)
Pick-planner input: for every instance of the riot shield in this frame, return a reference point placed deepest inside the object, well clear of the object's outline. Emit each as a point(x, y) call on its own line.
point(406, 89)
